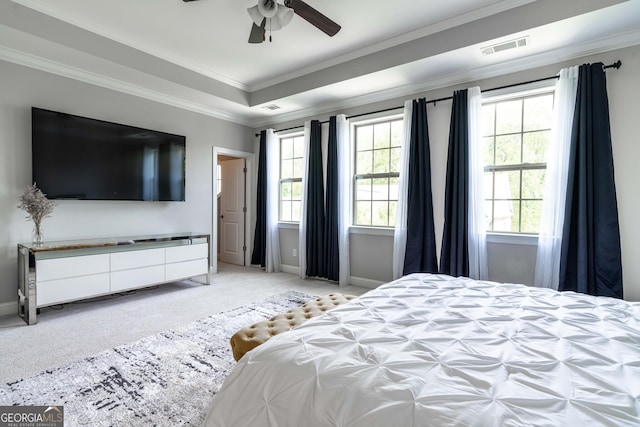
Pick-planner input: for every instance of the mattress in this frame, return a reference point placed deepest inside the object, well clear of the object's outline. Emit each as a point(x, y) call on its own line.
point(433, 350)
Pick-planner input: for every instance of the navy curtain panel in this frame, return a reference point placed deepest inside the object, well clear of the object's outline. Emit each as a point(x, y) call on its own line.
point(591, 259)
point(454, 256)
point(332, 255)
point(259, 254)
point(420, 250)
point(315, 206)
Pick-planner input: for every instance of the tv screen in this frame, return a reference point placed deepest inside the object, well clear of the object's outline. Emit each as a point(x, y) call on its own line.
point(87, 159)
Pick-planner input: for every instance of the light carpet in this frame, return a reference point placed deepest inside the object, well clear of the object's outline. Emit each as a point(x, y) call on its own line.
point(165, 379)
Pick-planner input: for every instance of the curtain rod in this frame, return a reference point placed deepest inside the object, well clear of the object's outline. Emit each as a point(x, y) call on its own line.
point(615, 65)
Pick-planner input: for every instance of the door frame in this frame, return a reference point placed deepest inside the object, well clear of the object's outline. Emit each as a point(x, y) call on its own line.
point(214, 200)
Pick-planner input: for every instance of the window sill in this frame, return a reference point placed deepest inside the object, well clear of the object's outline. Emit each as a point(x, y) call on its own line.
point(289, 225)
point(513, 239)
point(373, 231)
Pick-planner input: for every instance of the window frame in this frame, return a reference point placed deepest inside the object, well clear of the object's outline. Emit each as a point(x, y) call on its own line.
point(506, 94)
point(384, 117)
point(281, 137)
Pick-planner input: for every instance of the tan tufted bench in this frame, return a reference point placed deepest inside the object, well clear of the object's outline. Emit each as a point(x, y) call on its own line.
point(248, 338)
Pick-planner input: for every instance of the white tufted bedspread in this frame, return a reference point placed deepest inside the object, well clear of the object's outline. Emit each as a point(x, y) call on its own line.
point(432, 350)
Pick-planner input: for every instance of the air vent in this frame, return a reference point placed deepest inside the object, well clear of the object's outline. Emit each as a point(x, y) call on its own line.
point(271, 107)
point(511, 44)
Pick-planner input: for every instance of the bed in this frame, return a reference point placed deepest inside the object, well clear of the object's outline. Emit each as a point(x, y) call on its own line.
point(433, 350)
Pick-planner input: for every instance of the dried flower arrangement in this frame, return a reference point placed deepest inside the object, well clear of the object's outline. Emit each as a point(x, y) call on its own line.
point(34, 202)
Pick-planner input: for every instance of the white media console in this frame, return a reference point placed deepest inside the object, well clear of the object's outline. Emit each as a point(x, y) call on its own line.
point(60, 272)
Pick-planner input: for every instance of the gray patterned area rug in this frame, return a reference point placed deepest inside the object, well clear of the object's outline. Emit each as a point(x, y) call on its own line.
point(167, 379)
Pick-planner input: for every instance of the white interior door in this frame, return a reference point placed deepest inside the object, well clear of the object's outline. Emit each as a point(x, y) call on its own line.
point(232, 212)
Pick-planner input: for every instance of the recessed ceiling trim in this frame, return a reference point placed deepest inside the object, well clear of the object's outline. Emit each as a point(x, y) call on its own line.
point(63, 70)
point(564, 54)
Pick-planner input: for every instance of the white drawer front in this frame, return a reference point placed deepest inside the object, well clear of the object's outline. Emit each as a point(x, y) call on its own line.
point(136, 259)
point(187, 252)
point(136, 278)
point(59, 268)
point(62, 290)
point(184, 270)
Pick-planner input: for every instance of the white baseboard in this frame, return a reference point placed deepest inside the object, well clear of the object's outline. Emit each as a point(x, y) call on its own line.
point(364, 282)
point(291, 269)
point(9, 308)
point(355, 281)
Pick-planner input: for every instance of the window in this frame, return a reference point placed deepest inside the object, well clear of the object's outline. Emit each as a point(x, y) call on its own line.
point(291, 167)
point(377, 163)
point(516, 133)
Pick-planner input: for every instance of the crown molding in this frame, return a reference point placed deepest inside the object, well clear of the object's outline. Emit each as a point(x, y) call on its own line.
point(51, 11)
point(57, 68)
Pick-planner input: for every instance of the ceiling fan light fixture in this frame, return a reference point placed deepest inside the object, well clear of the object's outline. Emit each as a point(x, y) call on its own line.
point(268, 8)
point(255, 15)
point(284, 15)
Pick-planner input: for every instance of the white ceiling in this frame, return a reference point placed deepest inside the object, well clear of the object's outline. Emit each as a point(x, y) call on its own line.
point(195, 55)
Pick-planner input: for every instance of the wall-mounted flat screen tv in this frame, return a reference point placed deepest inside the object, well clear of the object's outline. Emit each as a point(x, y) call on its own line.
point(80, 158)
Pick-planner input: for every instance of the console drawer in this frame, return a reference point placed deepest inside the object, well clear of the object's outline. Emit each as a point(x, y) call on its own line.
point(136, 259)
point(187, 252)
point(186, 269)
point(136, 278)
point(72, 288)
point(59, 268)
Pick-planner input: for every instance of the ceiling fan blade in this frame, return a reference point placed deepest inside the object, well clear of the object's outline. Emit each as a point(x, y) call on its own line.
point(314, 17)
point(188, 0)
point(257, 32)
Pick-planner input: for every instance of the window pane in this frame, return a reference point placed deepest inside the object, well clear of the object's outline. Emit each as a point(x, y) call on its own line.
point(364, 162)
point(381, 161)
point(537, 112)
point(531, 214)
point(363, 213)
point(503, 212)
point(295, 211)
point(509, 117)
point(298, 146)
point(533, 183)
point(488, 185)
point(364, 138)
point(296, 191)
point(508, 150)
point(380, 190)
point(393, 208)
point(381, 135)
point(535, 145)
point(298, 167)
point(488, 215)
point(286, 169)
point(393, 188)
point(396, 153)
point(363, 189)
point(502, 186)
point(515, 220)
point(380, 213)
point(396, 133)
point(287, 148)
point(285, 190)
point(285, 211)
point(488, 151)
point(488, 119)
point(514, 184)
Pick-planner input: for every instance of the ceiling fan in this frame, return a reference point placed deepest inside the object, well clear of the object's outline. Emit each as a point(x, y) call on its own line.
point(269, 15)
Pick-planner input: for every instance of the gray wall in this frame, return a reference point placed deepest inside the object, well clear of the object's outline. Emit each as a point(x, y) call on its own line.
point(370, 254)
point(21, 88)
